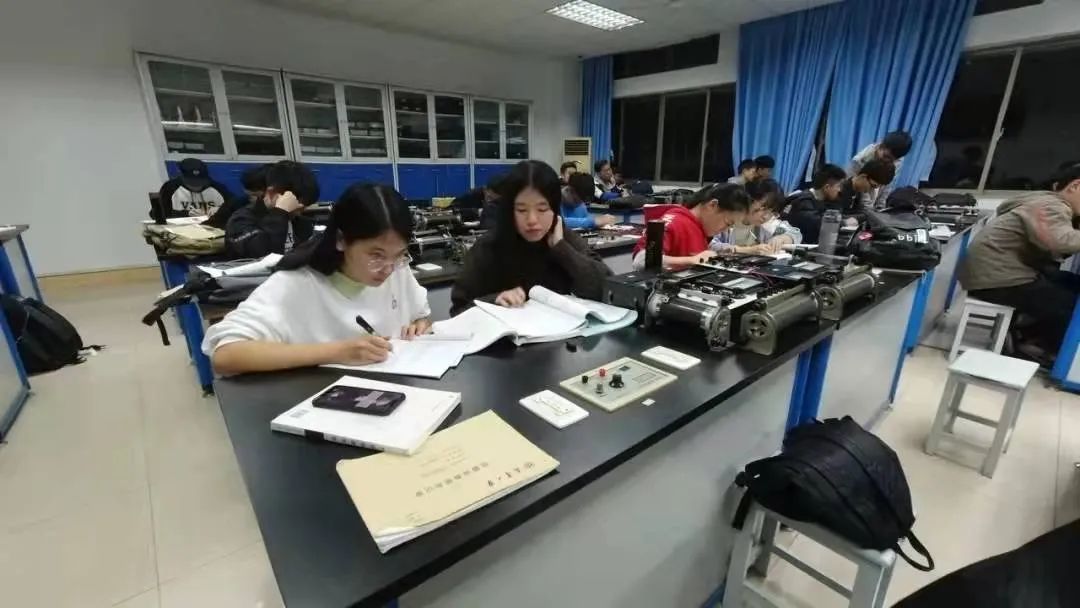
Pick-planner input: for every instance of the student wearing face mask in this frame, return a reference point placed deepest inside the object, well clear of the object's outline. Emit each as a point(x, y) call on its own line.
point(762, 231)
point(306, 313)
point(691, 225)
point(529, 246)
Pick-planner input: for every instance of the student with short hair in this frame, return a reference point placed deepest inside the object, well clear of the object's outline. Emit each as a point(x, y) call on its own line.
point(763, 167)
point(607, 187)
point(530, 246)
point(305, 313)
point(761, 231)
point(891, 149)
point(566, 170)
point(479, 204)
point(1015, 259)
point(746, 172)
point(574, 208)
point(253, 182)
point(275, 224)
point(833, 189)
point(691, 225)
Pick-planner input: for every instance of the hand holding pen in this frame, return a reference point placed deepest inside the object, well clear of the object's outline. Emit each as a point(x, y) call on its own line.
point(368, 348)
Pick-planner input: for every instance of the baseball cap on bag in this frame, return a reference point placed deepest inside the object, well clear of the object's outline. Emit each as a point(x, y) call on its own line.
point(194, 174)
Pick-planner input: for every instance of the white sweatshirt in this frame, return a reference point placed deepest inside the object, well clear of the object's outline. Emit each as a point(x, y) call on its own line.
point(303, 307)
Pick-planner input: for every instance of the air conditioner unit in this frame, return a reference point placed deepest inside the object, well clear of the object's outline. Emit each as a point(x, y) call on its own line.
point(578, 150)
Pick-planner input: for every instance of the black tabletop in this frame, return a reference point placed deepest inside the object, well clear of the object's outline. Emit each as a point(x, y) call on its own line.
point(320, 550)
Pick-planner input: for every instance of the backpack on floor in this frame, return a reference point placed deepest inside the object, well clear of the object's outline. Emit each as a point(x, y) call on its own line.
point(842, 478)
point(46, 340)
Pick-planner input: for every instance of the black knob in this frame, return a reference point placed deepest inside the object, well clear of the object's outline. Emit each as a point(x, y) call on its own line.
point(616, 381)
point(584, 379)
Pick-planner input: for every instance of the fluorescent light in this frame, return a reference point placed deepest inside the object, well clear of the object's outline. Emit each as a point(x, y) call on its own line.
point(594, 15)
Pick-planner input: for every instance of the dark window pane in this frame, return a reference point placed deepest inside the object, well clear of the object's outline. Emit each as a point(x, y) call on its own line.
point(1042, 123)
point(640, 116)
point(983, 7)
point(616, 132)
point(967, 122)
point(684, 118)
point(692, 53)
point(718, 134)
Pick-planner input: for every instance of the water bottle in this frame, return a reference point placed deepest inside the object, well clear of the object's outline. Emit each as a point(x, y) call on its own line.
point(830, 229)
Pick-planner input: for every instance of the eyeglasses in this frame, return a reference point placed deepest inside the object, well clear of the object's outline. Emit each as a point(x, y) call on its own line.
point(377, 262)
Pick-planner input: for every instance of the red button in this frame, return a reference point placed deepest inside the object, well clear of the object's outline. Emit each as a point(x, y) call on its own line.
point(603, 372)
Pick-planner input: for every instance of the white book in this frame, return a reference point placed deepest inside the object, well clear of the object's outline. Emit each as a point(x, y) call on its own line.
point(403, 431)
point(545, 317)
point(255, 268)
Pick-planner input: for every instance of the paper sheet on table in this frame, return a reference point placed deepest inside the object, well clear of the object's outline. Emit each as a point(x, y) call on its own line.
point(595, 328)
point(455, 472)
point(255, 268)
point(424, 358)
point(483, 329)
point(535, 319)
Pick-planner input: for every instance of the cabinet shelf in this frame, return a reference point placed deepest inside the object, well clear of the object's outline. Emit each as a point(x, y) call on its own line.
point(365, 108)
point(247, 99)
point(483, 141)
point(312, 104)
point(461, 116)
point(319, 135)
point(190, 128)
point(366, 137)
point(412, 139)
point(182, 92)
point(486, 122)
point(412, 112)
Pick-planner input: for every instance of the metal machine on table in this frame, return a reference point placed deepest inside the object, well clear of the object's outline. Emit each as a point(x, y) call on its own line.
point(622, 235)
point(441, 235)
point(741, 300)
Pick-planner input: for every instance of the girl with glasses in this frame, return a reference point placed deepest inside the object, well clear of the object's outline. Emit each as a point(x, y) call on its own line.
point(306, 313)
point(529, 246)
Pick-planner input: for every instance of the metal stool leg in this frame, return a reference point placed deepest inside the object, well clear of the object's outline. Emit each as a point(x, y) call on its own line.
point(939, 419)
point(959, 338)
point(1012, 405)
point(867, 587)
point(954, 406)
point(735, 584)
point(769, 526)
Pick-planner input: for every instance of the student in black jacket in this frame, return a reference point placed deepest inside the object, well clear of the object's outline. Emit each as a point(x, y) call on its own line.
point(529, 246)
point(832, 189)
point(479, 204)
point(274, 224)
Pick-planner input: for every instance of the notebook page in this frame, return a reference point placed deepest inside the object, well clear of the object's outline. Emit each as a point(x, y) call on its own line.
point(535, 319)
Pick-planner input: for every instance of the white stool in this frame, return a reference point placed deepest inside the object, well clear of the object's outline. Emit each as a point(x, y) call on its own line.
point(989, 370)
point(978, 312)
point(871, 580)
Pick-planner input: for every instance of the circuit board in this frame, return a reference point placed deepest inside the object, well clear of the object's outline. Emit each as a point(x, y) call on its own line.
point(637, 381)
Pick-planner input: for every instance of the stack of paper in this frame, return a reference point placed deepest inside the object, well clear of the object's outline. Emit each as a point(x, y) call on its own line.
point(402, 431)
point(456, 472)
point(251, 269)
point(428, 356)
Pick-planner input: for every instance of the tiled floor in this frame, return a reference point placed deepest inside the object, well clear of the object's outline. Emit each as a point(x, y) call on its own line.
point(118, 486)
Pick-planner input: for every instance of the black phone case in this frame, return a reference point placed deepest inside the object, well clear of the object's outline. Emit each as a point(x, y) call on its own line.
point(359, 400)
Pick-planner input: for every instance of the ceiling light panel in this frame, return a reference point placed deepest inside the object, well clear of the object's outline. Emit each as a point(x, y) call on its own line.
point(594, 15)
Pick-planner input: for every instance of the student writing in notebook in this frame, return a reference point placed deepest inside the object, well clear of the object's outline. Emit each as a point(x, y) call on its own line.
point(761, 231)
point(305, 313)
point(691, 225)
point(529, 246)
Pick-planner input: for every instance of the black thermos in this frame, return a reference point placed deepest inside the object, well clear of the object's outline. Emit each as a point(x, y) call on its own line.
point(654, 245)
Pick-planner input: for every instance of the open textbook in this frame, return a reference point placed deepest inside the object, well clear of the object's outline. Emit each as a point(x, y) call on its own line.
point(457, 471)
point(545, 317)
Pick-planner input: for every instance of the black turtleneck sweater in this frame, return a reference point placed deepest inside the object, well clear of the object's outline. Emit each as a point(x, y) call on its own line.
point(494, 266)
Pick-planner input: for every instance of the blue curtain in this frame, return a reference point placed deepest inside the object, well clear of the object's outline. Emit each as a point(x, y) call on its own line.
point(597, 87)
point(897, 62)
point(785, 64)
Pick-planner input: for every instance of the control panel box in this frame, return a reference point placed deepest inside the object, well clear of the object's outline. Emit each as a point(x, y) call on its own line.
point(618, 383)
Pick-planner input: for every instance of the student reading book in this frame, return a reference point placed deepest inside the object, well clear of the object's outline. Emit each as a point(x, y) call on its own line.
point(690, 226)
point(305, 313)
point(529, 247)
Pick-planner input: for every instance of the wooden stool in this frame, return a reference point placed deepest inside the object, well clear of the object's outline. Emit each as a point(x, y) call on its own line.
point(871, 580)
point(978, 312)
point(989, 370)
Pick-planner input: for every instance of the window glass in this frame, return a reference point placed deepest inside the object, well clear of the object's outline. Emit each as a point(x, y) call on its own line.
point(684, 119)
point(640, 116)
point(721, 128)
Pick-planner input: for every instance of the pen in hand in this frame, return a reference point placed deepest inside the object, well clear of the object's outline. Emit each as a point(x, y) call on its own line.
point(365, 325)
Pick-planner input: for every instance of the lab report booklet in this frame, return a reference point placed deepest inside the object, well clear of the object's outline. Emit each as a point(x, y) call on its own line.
point(546, 317)
point(402, 431)
point(457, 471)
point(427, 356)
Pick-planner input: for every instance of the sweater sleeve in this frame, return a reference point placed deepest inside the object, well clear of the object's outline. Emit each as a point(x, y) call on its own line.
point(416, 298)
point(1049, 226)
point(473, 282)
point(261, 317)
point(587, 271)
point(255, 236)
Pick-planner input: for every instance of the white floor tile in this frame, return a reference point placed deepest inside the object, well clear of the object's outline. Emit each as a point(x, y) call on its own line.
point(242, 579)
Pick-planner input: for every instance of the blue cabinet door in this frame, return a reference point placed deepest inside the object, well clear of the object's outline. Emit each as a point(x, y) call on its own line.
point(334, 178)
point(484, 173)
point(418, 182)
point(453, 180)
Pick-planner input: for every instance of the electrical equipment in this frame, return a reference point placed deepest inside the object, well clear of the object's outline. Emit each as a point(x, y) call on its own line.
point(617, 384)
point(854, 282)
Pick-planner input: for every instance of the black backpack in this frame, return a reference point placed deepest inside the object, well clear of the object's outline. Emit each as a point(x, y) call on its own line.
point(842, 478)
point(901, 234)
point(46, 340)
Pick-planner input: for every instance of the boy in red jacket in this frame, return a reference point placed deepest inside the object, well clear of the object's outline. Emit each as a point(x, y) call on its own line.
point(691, 226)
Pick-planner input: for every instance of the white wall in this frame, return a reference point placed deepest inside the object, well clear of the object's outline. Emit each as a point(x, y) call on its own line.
point(78, 157)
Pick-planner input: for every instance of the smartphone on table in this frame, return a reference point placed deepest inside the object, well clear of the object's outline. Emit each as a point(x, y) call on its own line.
point(359, 400)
